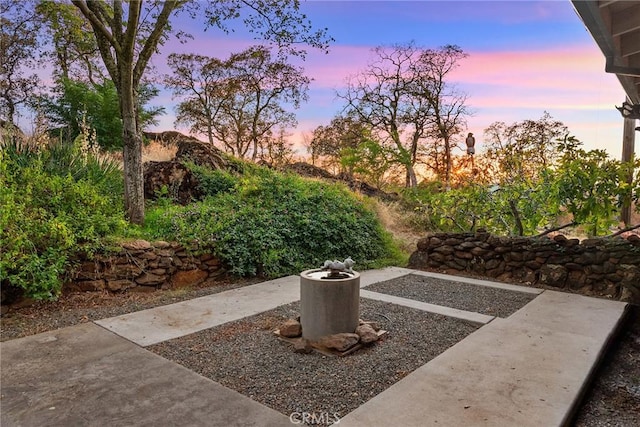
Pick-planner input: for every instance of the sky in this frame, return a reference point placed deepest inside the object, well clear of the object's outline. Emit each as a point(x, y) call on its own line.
point(524, 58)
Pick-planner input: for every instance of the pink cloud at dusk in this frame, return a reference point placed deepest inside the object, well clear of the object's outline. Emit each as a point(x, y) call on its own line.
point(524, 58)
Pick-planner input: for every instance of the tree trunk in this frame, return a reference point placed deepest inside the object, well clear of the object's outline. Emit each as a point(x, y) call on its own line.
point(411, 179)
point(447, 156)
point(133, 172)
point(628, 145)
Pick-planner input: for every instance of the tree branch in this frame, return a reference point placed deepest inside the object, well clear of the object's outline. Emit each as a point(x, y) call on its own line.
point(154, 38)
point(95, 21)
point(551, 230)
point(624, 230)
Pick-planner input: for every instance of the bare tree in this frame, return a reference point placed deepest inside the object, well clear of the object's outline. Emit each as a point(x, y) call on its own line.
point(448, 105)
point(403, 95)
point(201, 81)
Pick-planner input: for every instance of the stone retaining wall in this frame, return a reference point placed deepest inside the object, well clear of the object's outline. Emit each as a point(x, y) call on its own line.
point(601, 266)
point(141, 266)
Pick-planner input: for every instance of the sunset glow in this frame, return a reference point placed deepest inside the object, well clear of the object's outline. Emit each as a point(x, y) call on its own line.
point(525, 57)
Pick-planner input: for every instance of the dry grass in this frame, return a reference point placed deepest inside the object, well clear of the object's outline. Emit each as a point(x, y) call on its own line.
point(157, 152)
point(393, 220)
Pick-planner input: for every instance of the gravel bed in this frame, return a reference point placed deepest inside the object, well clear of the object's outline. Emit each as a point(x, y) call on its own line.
point(246, 356)
point(463, 296)
point(75, 308)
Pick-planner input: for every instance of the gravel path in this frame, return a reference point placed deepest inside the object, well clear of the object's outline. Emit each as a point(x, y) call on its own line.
point(246, 356)
point(463, 296)
point(72, 309)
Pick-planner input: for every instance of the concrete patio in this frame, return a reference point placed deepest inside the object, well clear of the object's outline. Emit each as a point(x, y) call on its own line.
point(529, 369)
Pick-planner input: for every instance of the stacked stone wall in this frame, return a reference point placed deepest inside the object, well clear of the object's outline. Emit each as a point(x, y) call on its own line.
point(600, 266)
point(142, 266)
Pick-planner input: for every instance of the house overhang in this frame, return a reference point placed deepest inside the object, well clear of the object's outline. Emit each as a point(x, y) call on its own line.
point(615, 26)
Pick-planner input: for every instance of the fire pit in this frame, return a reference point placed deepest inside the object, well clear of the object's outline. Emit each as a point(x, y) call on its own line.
point(329, 300)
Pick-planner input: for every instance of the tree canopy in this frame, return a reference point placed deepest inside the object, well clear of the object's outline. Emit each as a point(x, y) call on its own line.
point(239, 103)
point(404, 96)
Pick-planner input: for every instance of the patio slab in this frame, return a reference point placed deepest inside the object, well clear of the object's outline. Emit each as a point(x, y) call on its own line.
point(530, 369)
point(85, 375)
point(163, 323)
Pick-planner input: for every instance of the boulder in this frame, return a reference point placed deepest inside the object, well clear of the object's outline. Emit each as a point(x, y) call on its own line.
point(175, 177)
point(200, 153)
point(339, 342)
point(306, 169)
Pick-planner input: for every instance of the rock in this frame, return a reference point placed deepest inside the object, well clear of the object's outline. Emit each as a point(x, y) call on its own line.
point(423, 244)
point(291, 329)
point(182, 183)
point(553, 275)
point(634, 239)
point(119, 285)
point(184, 278)
point(124, 271)
point(302, 346)
point(340, 342)
point(560, 238)
point(148, 279)
point(137, 245)
point(366, 333)
point(213, 262)
point(374, 325)
point(205, 257)
point(91, 285)
point(418, 259)
point(148, 256)
point(306, 169)
point(200, 153)
point(161, 244)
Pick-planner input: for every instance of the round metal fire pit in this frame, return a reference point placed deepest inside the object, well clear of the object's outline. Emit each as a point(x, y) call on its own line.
point(329, 303)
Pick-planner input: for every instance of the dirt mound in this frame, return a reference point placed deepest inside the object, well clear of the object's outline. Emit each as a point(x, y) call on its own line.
point(308, 170)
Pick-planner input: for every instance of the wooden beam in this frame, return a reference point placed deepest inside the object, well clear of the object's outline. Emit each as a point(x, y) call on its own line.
point(626, 21)
point(629, 44)
point(606, 3)
point(628, 146)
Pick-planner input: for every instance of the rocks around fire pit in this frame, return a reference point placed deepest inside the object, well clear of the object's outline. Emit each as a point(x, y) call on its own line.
point(340, 344)
point(291, 329)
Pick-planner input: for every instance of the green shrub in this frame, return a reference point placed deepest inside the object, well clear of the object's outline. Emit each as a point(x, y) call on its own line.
point(212, 182)
point(273, 224)
point(47, 215)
